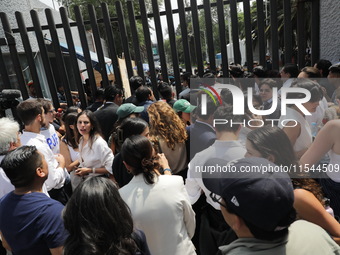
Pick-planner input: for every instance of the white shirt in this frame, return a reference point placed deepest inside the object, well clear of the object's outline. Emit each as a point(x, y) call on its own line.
point(6, 185)
point(305, 138)
point(52, 138)
point(96, 155)
point(56, 175)
point(227, 150)
point(162, 210)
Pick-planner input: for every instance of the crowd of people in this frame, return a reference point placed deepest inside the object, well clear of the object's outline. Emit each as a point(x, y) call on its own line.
point(134, 176)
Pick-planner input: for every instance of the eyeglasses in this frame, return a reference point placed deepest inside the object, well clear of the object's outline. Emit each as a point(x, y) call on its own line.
point(217, 199)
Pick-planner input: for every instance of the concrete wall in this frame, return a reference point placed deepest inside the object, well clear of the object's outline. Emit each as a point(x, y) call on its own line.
point(330, 30)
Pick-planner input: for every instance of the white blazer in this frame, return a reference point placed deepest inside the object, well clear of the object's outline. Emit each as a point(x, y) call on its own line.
point(163, 211)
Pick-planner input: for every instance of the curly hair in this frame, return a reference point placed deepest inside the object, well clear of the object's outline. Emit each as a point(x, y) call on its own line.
point(165, 124)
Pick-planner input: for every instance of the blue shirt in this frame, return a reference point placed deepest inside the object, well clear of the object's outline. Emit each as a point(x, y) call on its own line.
point(31, 223)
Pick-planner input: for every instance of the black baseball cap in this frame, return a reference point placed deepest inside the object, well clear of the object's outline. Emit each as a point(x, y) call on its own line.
point(264, 199)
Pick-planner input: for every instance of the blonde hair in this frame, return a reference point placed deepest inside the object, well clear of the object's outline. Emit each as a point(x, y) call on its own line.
point(165, 124)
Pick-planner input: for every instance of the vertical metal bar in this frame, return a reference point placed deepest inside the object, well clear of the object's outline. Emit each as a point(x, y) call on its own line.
point(315, 31)
point(135, 38)
point(148, 46)
point(234, 29)
point(73, 56)
point(86, 51)
point(197, 35)
point(112, 46)
point(44, 57)
point(160, 41)
point(4, 73)
point(184, 31)
point(209, 34)
point(29, 53)
point(222, 36)
point(98, 45)
point(301, 34)
point(59, 57)
point(172, 37)
point(260, 28)
point(288, 31)
point(124, 38)
point(274, 34)
point(247, 28)
point(14, 54)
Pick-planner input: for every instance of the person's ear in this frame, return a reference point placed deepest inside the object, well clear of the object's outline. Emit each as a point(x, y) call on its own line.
point(12, 146)
point(39, 117)
point(41, 173)
point(271, 158)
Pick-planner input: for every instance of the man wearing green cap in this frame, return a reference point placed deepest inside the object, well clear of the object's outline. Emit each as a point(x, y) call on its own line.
point(184, 108)
point(125, 110)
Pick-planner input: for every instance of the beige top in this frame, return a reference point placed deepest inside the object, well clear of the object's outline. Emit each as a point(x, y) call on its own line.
point(177, 158)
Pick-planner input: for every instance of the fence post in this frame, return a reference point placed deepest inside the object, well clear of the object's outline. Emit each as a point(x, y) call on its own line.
point(288, 31)
point(184, 32)
point(148, 46)
point(197, 35)
point(29, 54)
point(14, 54)
point(45, 58)
point(124, 38)
point(274, 34)
point(112, 46)
point(261, 35)
point(73, 57)
point(249, 41)
point(59, 58)
point(160, 41)
point(315, 30)
point(86, 51)
point(301, 34)
point(172, 37)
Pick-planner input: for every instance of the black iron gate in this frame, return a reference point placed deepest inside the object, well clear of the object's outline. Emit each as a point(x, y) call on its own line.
point(257, 27)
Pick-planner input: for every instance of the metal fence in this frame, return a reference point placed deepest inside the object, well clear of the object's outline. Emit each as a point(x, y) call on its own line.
point(253, 26)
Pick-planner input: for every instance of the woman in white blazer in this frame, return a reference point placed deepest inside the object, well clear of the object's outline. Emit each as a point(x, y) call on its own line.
point(159, 203)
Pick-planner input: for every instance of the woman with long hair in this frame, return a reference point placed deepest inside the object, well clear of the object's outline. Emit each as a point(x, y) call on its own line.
point(95, 156)
point(128, 128)
point(159, 204)
point(69, 145)
point(299, 131)
point(99, 222)
point(273, 144)
point(168, 133)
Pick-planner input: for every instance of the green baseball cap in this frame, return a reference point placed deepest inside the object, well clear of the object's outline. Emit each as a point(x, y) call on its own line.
point(183, 105)
point(126, 109)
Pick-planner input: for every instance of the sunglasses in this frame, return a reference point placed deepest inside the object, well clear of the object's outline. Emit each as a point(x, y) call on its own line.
point(217, 199)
